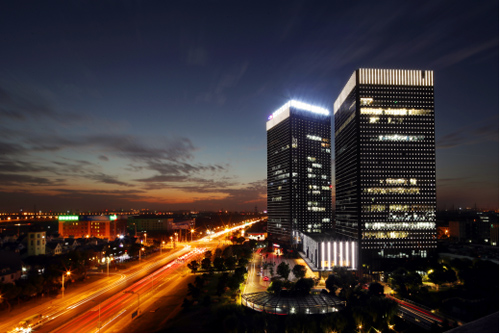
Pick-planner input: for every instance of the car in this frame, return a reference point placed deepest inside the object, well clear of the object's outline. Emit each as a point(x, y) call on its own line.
point(266, 278)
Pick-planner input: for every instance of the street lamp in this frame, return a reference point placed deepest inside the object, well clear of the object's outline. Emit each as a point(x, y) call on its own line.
point(161, 246)
point(192, 235)
point(62, 289)
point(145, 238)
point(140, 251)
point(172, 242)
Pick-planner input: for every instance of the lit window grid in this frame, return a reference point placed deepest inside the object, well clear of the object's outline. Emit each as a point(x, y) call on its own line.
point(290, 144)
point(346, 180)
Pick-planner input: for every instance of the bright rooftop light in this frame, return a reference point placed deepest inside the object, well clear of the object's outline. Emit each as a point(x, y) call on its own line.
point(302, 106)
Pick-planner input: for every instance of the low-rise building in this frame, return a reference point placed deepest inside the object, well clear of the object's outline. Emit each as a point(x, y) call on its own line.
point(36, 243)
point(101, 226)
point(150, 223)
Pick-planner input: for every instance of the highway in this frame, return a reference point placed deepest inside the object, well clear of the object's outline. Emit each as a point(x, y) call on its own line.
point(417, 315)
point(111, 303)
point(126, 303)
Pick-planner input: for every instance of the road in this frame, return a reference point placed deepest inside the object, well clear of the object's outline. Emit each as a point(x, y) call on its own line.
point(68, 310)
point(103, 304)
point(125, 303)
point(111, 306)
point(416, 314)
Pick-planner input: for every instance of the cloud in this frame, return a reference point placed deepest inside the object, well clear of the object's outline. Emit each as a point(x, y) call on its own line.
point(446, 182)
point(26, 180)
point(243, 197)
point(217, 91)
point(468, 135)
point(23, 102)
point(103, 178)
point(468, 51)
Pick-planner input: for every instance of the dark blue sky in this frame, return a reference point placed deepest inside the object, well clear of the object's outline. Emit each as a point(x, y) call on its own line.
point(163, 104)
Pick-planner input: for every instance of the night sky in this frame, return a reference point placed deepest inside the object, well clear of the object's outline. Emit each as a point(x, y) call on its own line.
point(163, 104)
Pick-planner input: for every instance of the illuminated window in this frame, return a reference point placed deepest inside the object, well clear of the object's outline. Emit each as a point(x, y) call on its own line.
point(370, 111)
point(385, 235)
point(392, 190)
point(311, 159)
point(374, 119)
point(365, 101)
point(312, 137)
point(398, 137)
point(374, 208)
point(396, 181)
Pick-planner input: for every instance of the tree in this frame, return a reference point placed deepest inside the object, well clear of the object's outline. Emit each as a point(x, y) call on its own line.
point(300, 323)
point(303, 286)
point(442, 275)
point(29, 290)
point(299, 271)
point(193, 265)
point(208, 254)
point(283, 270)
point(222, 284)
point(275, 287)
point(334, 323)
point(193, 291)
point(404, 281)
point(233, 283)
point(206, 264)
point(186, 304)
point(242, 262)
point(376, 289)
point(199, 281)
point(10, 291)
point(218, 252)
point(240, 273)
point(227, 252)
point(219, 263)
point(230, 263)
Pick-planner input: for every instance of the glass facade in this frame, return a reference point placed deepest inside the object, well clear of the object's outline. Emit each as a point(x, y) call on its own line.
point(299, 194)
point(385, 165)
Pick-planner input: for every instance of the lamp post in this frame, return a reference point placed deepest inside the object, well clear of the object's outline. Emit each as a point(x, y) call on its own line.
point(145, 238)
point(175, 239)
point(140, 252)
point(192, 235)
point(172, 242)
point(107, 265)
point(62, 289)
point(161, 246)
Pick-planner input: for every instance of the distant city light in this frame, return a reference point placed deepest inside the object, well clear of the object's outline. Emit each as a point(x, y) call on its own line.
point(68, 217)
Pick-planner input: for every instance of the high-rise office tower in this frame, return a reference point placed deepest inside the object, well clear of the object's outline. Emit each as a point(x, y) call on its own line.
point(385, 164)
point(298, 171)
